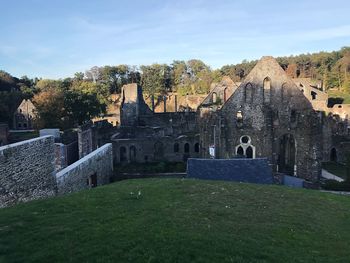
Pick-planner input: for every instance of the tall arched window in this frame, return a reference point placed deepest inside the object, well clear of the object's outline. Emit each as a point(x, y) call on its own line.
point(333, 155)
point(245, 148)
point(214, 97)
point(240, 151)
point(122, 152)
point(225, 94)
point(249, 152)
point(132, 153)
point(196, 147)
point(267, 89)
point(187, 148)
point(248, 93)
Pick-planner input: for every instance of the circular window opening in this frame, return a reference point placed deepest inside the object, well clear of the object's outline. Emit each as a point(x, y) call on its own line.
point(245, 139)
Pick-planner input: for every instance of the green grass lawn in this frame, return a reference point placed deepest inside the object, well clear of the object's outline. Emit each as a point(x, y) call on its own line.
point(335, 168)
point(179, 220)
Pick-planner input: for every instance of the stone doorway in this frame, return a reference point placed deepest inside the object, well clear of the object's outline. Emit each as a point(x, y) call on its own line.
point(158, 151)
point(92, 180)
point(287, 152)
point(122, 154)
point(132, 154)
point(333, 155)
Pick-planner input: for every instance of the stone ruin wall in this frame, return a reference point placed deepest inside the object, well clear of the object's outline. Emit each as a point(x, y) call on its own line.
point(78, 176)
point(27, 171)
point(85, 141)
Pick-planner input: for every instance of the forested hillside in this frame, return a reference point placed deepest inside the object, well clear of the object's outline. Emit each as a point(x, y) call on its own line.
point(71, 101)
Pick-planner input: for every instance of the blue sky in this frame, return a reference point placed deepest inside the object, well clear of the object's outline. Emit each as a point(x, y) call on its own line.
point(55, 39)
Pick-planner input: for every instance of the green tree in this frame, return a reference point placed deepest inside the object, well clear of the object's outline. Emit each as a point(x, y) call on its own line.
point(81, 106)
point(155, 79)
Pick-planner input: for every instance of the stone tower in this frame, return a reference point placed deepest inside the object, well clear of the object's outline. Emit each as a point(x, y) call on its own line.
point(133, 105)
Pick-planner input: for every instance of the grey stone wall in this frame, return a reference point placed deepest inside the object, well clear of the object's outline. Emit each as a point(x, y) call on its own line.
point(27, 170)
point(155, 149)
point(94, 169)
point(277, 118)
point(4, 134)
point(85, 144)
point(60, 156)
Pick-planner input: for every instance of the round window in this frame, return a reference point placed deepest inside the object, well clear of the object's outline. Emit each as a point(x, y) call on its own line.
point(245, 139)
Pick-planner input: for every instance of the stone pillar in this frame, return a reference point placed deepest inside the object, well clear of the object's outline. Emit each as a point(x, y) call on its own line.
point(175, 103)
point(152, 99)
point(164, 99)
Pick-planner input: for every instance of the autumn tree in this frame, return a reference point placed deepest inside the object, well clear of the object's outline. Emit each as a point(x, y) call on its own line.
point(50, 109)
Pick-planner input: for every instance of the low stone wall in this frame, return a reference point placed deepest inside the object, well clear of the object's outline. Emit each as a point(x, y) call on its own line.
point(27, 170)
point(92, 170)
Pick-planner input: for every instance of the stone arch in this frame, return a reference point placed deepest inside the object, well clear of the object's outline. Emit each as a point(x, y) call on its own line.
point(186, 147)
point(249, 152)
point(214, 97)
point(267, 89)
point(132, 153)
point(287, 154)
point(240, 151)
point(333, 155)
point(196, 147)
point(158, 151)
point(248, 93)
point(245, 148)
point(122, 154)
point(225, 94)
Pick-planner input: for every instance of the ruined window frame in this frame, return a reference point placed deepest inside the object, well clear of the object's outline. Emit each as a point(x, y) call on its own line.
point(267, 89)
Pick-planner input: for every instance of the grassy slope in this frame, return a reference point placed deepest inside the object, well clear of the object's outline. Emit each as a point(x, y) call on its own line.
point(178, 220)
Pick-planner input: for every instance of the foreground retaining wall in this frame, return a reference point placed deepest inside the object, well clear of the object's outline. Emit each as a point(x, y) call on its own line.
point(92, 170)
point(27, 170)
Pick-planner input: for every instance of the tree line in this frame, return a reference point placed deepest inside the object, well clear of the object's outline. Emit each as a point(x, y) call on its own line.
point(72, 101)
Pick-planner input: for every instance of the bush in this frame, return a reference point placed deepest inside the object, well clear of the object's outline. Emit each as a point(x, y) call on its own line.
point(154, 167)
point(336, 186)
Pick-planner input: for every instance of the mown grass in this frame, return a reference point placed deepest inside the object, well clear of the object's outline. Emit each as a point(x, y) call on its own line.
point(179, 220)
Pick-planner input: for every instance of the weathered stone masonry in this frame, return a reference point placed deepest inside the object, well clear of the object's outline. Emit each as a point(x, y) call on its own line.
point(94, 169)
point(27, 171)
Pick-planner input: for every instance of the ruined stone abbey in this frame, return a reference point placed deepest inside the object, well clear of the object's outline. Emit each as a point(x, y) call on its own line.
point(267, 115)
